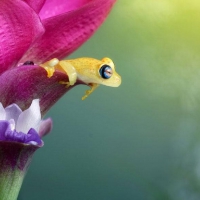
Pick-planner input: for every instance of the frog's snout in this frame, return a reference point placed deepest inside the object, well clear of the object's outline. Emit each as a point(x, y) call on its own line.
point(114, 81)
point(117, 80)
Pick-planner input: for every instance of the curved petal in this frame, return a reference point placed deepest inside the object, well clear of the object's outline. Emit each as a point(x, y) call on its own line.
point(30, 118)
point(35, 4)
point(45, 127)
point(7, 134)
point(20, 26)
point(31, 137)
point(28, 82)
point(66, 32)
point(2, 112)
point(12, 112)
point(55, 7)
point(4, 125)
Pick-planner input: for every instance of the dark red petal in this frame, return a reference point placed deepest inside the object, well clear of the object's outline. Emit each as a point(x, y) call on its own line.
point(23, 84)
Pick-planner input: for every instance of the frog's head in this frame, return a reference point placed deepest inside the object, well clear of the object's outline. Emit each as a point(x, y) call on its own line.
point(107, 73)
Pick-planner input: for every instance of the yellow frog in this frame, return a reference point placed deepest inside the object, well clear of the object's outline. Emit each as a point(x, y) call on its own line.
point(89, 70)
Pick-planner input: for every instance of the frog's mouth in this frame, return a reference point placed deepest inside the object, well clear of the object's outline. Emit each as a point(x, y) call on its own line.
point(113, 81)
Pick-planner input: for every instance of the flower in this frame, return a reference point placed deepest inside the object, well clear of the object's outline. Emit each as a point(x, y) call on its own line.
point(35, 31)
point(38, 31)
point(20, 137)
point(23, 126)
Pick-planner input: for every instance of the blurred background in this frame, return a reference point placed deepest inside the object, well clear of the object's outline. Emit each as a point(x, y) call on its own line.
point(140, 141)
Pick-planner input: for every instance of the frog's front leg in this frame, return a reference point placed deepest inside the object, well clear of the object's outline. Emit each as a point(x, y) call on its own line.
point(88, 92)
point(49, 66)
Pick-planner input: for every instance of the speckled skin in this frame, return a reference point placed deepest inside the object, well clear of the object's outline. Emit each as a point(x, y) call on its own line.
point(84, 69)
point(88, 71)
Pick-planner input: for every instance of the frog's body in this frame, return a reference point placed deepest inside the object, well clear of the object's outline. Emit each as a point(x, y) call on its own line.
point(89, 70)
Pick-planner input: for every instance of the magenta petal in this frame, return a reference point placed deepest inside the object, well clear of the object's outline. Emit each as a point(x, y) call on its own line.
point(55, 7)
point(35, 4)
point(19, 27)
point(66, 32)
point(29, 82)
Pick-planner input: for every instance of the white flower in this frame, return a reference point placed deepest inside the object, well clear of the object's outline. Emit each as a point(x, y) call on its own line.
point(22, 121)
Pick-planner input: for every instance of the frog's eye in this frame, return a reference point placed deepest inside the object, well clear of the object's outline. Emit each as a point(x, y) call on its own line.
point(106, 71)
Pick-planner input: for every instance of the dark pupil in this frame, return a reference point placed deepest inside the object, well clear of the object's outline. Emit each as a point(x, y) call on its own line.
point(29, 63)
point(105, 71)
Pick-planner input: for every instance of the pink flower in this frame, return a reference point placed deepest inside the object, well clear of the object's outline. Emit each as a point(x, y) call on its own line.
point(39, 30)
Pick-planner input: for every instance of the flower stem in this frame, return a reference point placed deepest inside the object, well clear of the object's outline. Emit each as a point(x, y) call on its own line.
point(10, 184)
point(14, 161)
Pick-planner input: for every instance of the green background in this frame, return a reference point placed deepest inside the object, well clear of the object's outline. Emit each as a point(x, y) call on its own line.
point(140, 141)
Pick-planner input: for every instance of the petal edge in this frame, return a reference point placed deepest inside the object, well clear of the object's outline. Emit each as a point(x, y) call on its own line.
point(66, 32)
point(20, 26)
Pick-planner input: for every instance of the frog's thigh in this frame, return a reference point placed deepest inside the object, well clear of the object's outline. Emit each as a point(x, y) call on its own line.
point(49, 66)
point(69, 69)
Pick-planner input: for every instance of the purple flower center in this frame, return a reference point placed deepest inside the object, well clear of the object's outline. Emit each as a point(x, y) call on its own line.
point(21, 126)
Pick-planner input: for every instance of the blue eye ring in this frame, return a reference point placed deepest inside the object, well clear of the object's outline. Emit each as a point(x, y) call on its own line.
point(106, 71)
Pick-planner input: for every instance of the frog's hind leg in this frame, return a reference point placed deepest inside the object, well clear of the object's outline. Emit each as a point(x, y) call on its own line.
point(69, 69)
point(92, 86)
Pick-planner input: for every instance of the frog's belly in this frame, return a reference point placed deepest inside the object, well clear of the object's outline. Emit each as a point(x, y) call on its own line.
point(87, 79)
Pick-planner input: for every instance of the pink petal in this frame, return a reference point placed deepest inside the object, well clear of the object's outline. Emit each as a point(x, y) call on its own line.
point(35, 4)
point(55, 7)
point(45, 127)
point(22, 84)
point(19, 27)
point(66, 32)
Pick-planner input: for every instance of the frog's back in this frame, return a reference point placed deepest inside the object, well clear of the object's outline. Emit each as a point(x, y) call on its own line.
point(86, 68)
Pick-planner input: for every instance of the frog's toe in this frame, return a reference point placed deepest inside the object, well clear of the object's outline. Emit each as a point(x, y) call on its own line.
point(67, 84)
